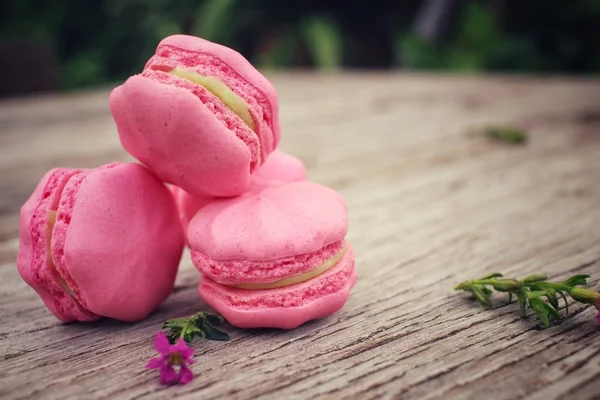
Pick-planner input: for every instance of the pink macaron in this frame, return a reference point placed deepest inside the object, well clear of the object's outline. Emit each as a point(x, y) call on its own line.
point(200, 116)
point(104, 242)
point(276, 257)
point(279, 168)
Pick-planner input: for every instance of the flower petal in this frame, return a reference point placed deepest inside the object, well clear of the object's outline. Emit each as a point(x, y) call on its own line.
point(167, 375)
point(161, 343)
point(180, 345)
point(156, 362)
point(185, 375)
point(187, 352)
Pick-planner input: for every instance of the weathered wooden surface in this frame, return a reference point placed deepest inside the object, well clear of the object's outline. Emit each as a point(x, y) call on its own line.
point(429, 205)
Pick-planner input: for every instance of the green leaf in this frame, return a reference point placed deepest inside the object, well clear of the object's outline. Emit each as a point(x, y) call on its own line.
point(538, 306)
point(175, 323)
point(324, 41)
point(479, 28)
point(505, 285)
point(566, 302)
point(215, 21)
point(506, 134)
point(173, 336)
point(481, 296)
point(466, 286)
point(214, 319)
point(213, 333)
point(551, 296)
point(577, 280)
point(535, 294)
point(534, 278)
point(522, 297)
point(280, 50)
point(198, 325)
point(486, 290)
point(543, 285)
point(417, 53)
point(492, 275)
point(466, 61)
point(552, 311)
point(83, 69)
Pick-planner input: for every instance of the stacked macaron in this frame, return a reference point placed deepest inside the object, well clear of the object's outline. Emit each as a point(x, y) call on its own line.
point(275, 257)
point(271, 246)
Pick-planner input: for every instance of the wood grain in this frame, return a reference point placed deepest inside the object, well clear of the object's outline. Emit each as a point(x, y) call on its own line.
point(430, 205)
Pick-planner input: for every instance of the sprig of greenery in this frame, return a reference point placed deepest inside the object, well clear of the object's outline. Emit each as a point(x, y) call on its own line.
point(506, 134)
point(201, 324)
point(531, 292)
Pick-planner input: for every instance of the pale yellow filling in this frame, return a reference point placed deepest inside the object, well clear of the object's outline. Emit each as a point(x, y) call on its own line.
point(50, 222)
point(234, 102)
point(292, 280)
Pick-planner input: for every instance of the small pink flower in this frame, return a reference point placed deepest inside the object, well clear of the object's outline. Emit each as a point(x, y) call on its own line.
point(179, 355)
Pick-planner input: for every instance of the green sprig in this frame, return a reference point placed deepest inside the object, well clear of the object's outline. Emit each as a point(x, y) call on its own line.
point(531, 292)
point(506, 134)
point(201, 325)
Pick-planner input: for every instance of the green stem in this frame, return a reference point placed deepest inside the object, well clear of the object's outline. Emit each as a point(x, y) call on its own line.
point(566, 302)
point(485, 282)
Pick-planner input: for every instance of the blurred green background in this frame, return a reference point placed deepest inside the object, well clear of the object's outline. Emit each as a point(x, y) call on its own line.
point(72, 44)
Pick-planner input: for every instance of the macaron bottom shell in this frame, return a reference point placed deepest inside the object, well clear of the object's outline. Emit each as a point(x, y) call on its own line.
point(286, 307)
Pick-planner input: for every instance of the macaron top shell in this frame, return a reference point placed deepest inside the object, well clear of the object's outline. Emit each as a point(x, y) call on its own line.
point(279, 168)
point(182, 142)
point(233, 68)
point(276, 222)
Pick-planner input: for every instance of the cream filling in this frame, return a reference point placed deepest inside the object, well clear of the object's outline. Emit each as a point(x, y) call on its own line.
point(234, 102)
point(292, 280)
point(50, 222)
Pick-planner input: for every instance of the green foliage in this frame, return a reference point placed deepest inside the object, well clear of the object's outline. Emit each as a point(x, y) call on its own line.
point(478, 45)
point(417, 53)
point(99, 41)
point(201, 325)
point(324, 41)
point(530, 292)
point(82, 69)
point(508, 135)
point(214, 20)
point(577, 280)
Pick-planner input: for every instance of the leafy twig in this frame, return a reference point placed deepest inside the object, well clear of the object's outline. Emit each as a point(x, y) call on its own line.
point(506, 134)
point(531, 292)
point(201, 324)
